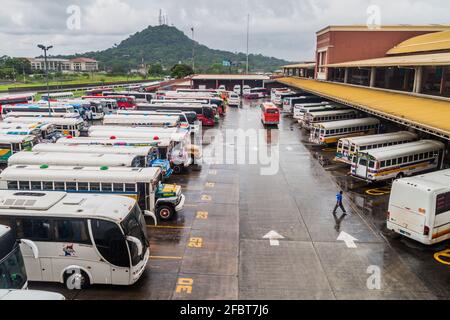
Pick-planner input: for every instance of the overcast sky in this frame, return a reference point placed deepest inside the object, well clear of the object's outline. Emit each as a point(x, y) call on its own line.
point(280, 28)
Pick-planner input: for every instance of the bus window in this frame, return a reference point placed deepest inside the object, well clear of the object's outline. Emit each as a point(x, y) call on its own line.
point(363, 162)
point(47, 185)
point(107, 187)
point(36, 185)
point(24, 185)
point(59, 186)
point(83, 186)
point(442, 203)
point(383, 164)
point(130, 187)
point(74, 231)
point(33, 229)
point(110, 242)
point(372, 164)
point(394, 162)
point(71, 186)
point(13, 185)
point(93, 186)
point(118, 187)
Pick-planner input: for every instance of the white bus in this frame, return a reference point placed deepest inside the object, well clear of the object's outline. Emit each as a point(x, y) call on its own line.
point(37, 108)
point(11, 144)
point(45, 132)
point(331, 132)
point(419, 207)
point(168, 121)
point(74, 159)
point(398, 161)
point(347, 148)
point(147, 155)
point(301, 108)
point(41, 115)
point(142, 184)
point(313, 117)
point(78, 239)
point(66, 126)
point(59, 95)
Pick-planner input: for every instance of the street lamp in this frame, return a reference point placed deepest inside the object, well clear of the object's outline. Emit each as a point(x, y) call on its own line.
point(40, 46)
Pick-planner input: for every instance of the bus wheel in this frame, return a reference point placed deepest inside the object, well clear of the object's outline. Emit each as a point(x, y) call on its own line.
point(177, 169)
point(400, 175)
point(76, 280)
point(165, 212)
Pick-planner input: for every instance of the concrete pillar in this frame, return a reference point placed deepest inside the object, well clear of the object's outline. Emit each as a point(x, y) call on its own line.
point(346, 75)
point(418, 80)
point(373, 76)
point(443, 81)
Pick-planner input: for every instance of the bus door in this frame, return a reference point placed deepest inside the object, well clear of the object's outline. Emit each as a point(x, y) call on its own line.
point(440, 158)
point(442, 215)
point(362, 167)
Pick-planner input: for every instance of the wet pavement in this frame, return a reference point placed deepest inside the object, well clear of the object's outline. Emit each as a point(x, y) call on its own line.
point(216, 247)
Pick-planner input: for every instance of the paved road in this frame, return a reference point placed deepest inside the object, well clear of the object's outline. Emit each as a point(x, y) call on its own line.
point(216, 249)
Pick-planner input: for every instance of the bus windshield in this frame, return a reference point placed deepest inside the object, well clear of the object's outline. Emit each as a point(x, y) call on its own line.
point(12, 267)
point(134, 225)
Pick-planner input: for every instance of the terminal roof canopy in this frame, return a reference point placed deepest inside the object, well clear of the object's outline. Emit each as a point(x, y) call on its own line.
point(427, 114)
point(433, 59)
point(436, 41)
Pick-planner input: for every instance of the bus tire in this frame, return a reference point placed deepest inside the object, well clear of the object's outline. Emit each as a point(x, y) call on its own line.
point(177, 169)
point(84, 280)
point(165, 212)
point(400, 175)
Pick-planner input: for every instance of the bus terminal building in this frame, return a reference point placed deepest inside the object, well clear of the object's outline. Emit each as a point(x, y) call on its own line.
point(399, 73)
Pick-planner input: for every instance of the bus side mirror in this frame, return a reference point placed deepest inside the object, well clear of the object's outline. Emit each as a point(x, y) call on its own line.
point(32, 246)
point(151, 214)
point(138, 244)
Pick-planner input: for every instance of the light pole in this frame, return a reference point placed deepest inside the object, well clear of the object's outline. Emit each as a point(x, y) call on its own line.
point(248, 36)
point(193, 49)
point(40, 46)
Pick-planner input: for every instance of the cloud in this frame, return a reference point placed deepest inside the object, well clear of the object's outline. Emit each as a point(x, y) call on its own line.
point(284, 28)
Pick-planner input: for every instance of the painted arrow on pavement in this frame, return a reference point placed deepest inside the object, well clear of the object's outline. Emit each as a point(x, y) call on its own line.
point(348, 239)
point(274, 238)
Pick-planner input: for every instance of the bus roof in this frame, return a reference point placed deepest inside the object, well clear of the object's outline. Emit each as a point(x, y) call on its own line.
point(346, 123)
point(46, 120)
point(8, 138)
point(404, 149)
point(71, 159)
point(141, 142)
point(164, 120)
point(80, 174)
point(434, 181)
point(62, 204)
point(332, 112)
point(99, 149)
point(385, 137)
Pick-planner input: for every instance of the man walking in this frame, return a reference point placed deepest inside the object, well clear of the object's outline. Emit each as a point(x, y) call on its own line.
point(339, 203)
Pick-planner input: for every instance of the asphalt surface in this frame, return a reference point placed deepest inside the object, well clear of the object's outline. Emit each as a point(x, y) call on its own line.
point(216, 247)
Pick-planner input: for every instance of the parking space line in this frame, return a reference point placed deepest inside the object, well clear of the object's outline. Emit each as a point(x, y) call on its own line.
point(165, 258)
point(168, 227)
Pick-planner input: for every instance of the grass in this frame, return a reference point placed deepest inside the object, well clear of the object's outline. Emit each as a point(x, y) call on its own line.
point(96, 78)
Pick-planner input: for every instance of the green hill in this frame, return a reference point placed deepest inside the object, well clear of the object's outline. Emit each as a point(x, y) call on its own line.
point(168, 46)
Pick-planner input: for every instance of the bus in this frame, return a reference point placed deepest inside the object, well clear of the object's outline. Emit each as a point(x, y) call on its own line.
point(300, 109)
point(419, 207)
point(82, 106)
point(13, 274)
point(275, 91)
point(347, 148)
point(148, 155)
point(41, 115)
point(123, 102)
point(398, 161)
point(327, 116)
point(205, 114)
point(11, 100)
point(11, 144)
point(142, 184)
point(74, 159)
point(45, 132)
point(66, 126)
point(78, 239)
point(38, 108)
point(331, 132)
point(270, 115)
point(139, 96)
point(219, 102)
point(187, 119)
point(290, 102)
point(166, 121)
point(182, 153)
point(57, 96)
point(257, 93)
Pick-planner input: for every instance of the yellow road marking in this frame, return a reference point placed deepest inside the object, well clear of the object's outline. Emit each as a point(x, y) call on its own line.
point(195, 243)
point(185, 285)
point(165, 258)
point(206, 198)
point(210, 185)
point(443, 257)
point(379, 191)
point(203, 215)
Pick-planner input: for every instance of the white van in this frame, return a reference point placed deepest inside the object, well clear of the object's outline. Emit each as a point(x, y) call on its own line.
point(234, 100)
point(237, 89)
point(419, 207)
point(246, 89)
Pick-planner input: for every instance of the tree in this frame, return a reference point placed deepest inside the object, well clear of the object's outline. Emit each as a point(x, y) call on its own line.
point(179, 71)
point(21, 65)
point(155, 70)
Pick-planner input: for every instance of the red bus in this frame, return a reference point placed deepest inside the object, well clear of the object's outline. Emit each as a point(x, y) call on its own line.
point(97, 92)
point(219, 102)
point(123, 102)
point(205, 114)
point(8, 100)
point(270, 114)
